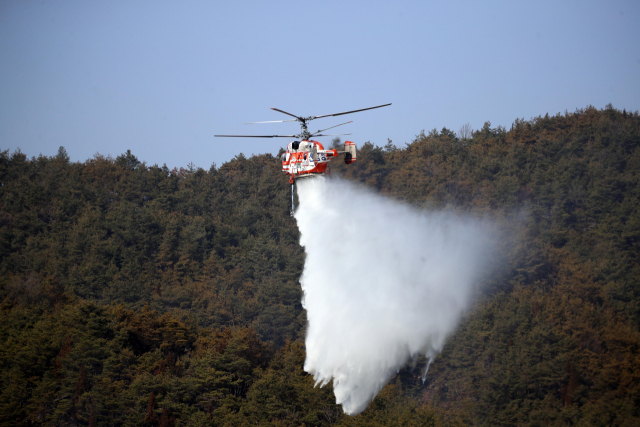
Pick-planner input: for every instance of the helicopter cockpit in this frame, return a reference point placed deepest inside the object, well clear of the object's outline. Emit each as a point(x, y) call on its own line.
point(308, 150)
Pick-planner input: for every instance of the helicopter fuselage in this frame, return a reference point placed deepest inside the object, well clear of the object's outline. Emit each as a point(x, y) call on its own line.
point(308, 158)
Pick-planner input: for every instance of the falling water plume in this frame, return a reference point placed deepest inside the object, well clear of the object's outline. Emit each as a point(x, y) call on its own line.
point(383, 283)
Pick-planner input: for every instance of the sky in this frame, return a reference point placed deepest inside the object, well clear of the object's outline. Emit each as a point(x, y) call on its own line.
point(161, 78)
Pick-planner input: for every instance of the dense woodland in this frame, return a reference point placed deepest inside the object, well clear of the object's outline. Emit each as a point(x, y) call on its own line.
point(135, 295)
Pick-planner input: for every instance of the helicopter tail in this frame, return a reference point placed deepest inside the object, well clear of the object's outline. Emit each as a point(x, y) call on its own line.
point(350, 152)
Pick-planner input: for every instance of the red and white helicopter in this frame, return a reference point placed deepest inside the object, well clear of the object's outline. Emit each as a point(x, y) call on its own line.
point(306, 157)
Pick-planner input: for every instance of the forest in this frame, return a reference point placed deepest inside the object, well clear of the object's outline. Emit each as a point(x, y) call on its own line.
point(136, 295)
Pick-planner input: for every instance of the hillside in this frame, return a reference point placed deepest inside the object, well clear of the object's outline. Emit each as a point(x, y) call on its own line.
point(136, 295)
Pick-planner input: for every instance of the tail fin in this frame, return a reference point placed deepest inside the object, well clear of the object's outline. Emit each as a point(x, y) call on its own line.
point(350, 152)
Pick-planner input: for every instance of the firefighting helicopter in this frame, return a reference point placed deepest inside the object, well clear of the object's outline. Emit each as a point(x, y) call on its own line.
point(305, 158)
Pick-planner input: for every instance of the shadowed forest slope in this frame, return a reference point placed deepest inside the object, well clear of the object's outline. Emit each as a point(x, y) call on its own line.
point(136, 295)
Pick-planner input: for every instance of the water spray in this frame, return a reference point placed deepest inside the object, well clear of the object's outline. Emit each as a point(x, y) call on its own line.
point(383, 283)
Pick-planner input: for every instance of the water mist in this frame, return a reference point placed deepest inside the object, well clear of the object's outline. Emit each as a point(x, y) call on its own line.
point(383, 283)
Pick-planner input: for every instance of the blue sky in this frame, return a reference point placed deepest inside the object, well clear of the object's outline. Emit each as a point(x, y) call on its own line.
point(162, 77)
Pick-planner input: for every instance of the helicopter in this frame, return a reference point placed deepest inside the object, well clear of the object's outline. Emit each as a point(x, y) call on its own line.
point(305, 157)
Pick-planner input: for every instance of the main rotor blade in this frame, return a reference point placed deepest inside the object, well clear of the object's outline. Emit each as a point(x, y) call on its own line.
point(271, 121)
point(288, 114)
point(354, 111)
point(258, 136)
point(332, 134)
point(332, 127)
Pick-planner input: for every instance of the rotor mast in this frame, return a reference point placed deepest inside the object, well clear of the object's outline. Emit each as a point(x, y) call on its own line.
point(305, 135)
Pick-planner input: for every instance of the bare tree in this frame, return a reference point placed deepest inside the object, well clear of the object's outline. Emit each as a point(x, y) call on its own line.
point(465, 132)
